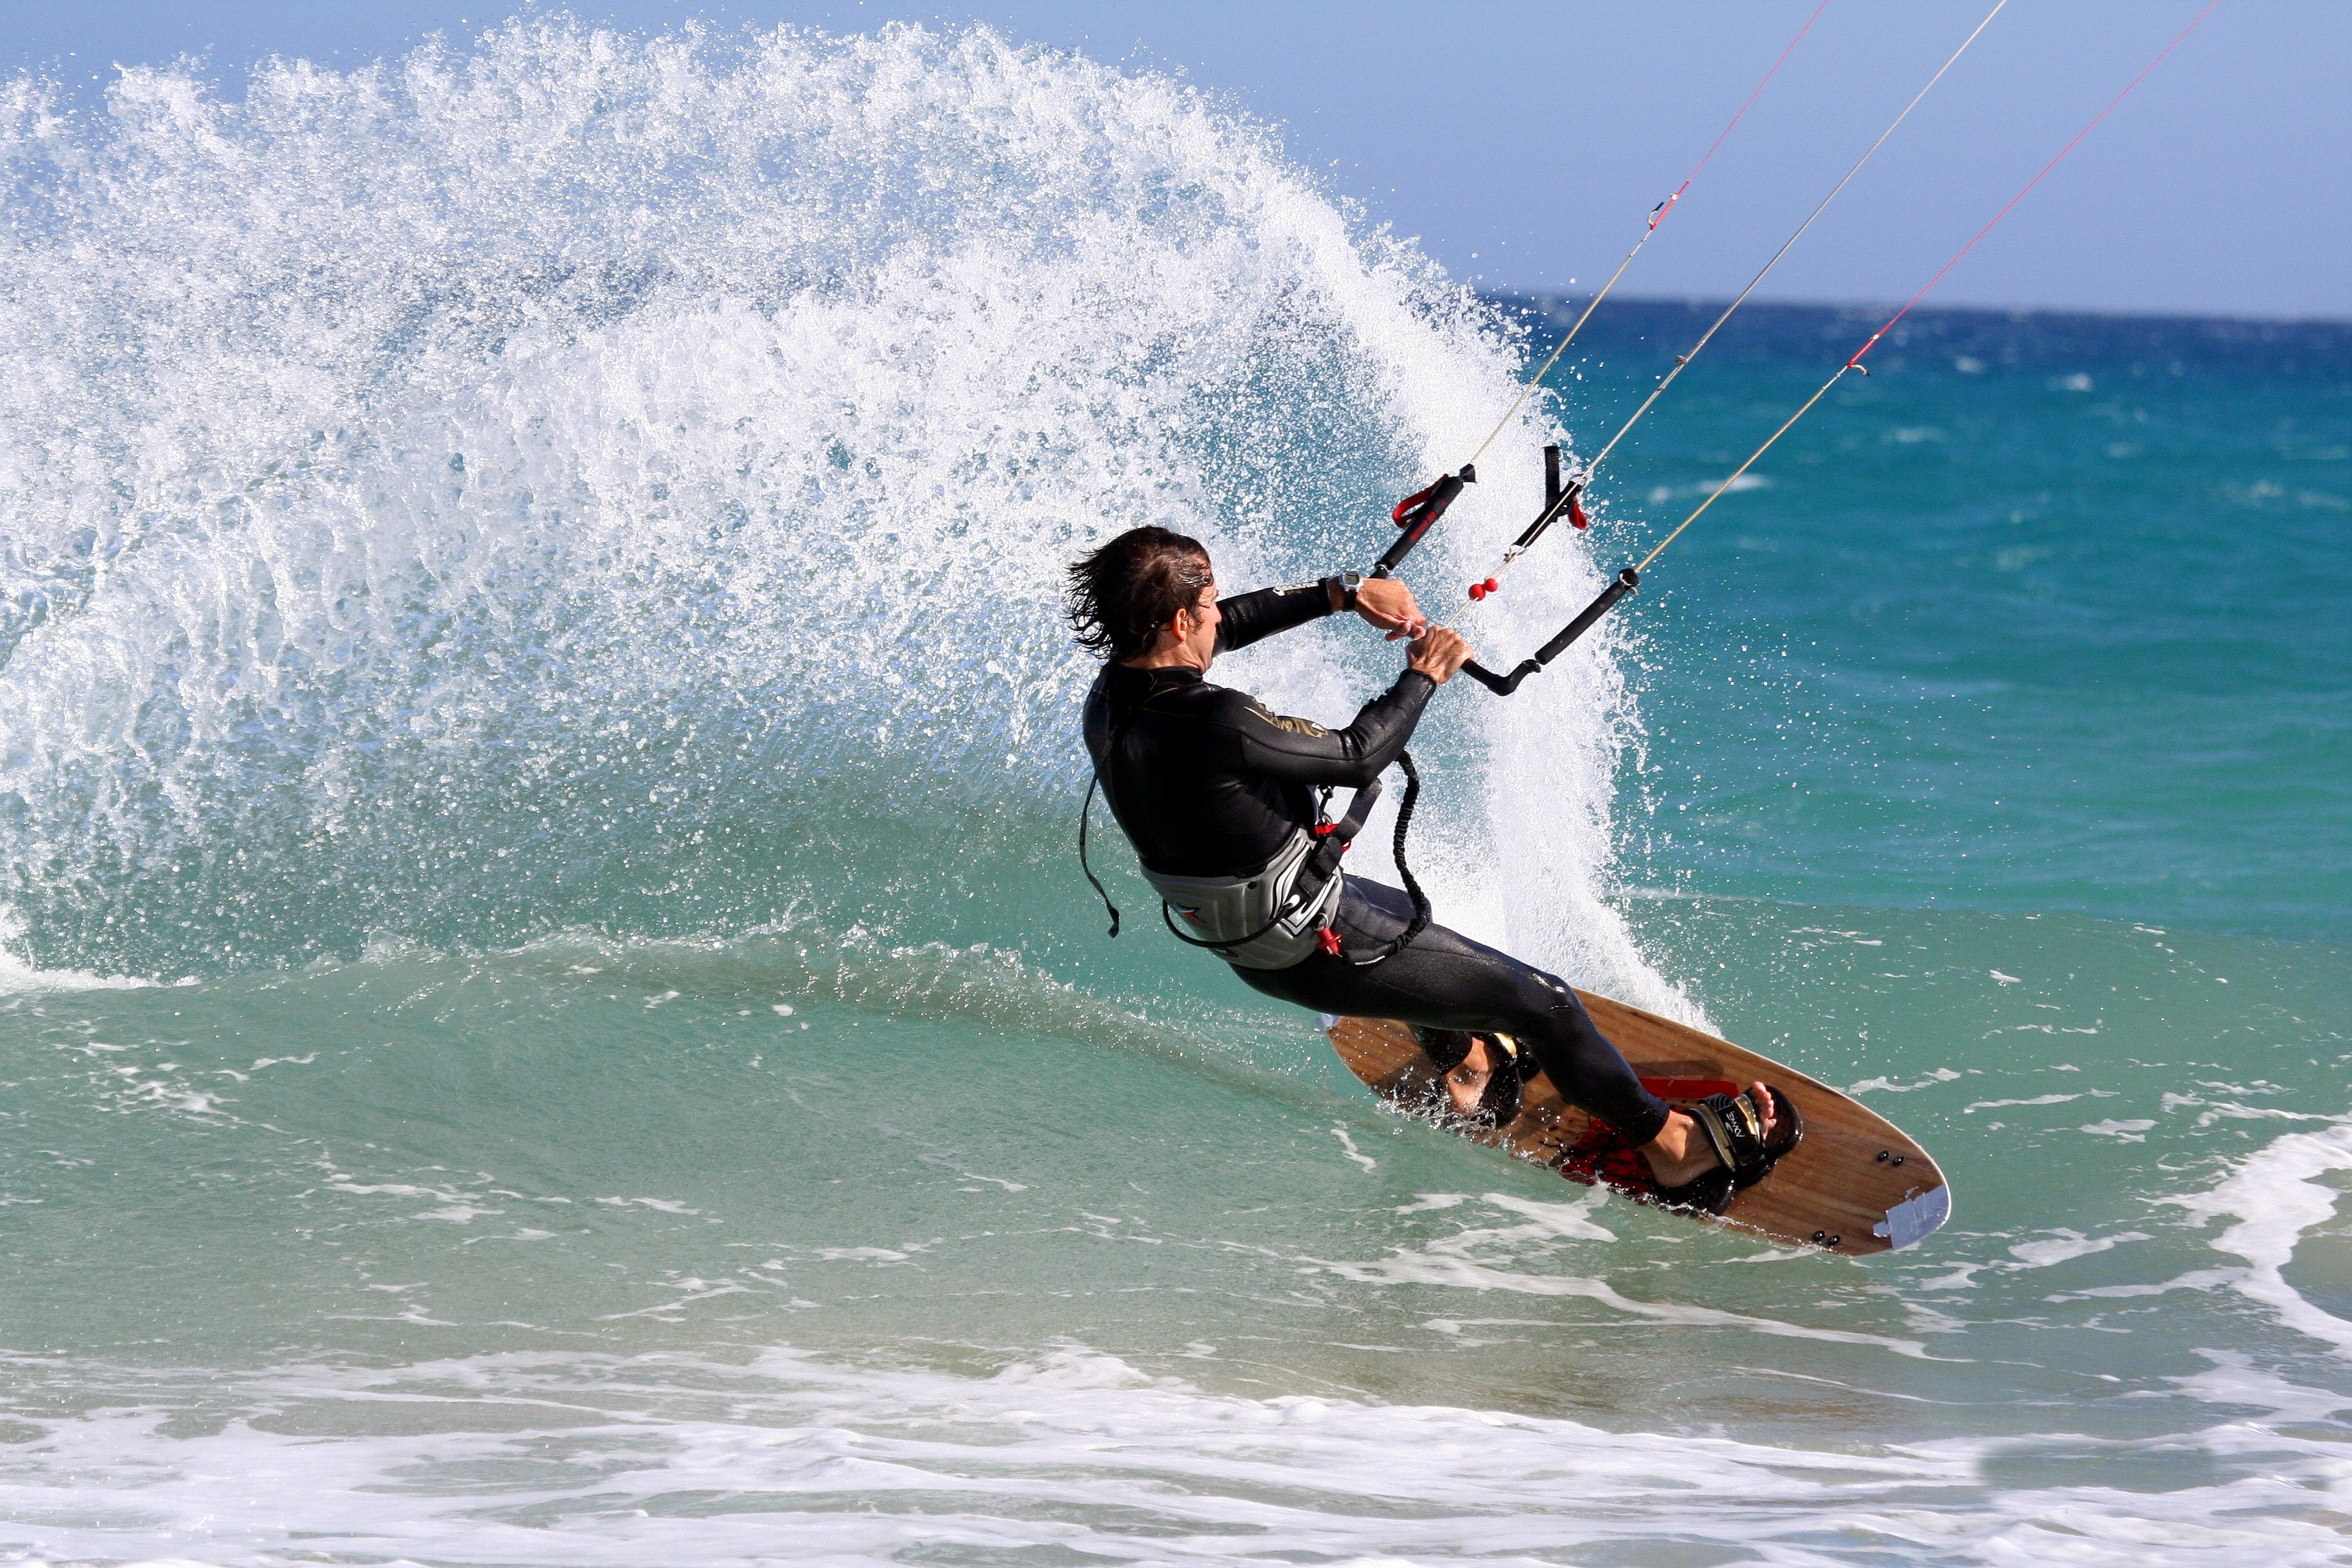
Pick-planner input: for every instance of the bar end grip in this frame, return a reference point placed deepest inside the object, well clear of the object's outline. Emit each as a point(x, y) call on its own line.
point(1503, 685)
point(1500, 685)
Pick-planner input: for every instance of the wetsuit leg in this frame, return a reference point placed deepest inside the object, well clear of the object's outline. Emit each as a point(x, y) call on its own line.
point(1445, 980)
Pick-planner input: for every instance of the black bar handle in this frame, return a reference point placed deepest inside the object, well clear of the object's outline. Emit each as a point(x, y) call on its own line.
point(1556, 503)
point(1500, 685)
point(1418, 514)
point(1503, 685)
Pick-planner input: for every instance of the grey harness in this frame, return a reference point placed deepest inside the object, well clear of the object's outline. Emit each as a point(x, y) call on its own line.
point(1275, 916)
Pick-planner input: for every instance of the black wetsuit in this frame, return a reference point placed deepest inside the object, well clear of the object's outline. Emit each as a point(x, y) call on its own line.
point(1207, 782)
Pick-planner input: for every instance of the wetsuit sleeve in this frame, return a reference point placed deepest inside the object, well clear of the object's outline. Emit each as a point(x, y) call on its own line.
point(1299, 751)
point(1251, 616)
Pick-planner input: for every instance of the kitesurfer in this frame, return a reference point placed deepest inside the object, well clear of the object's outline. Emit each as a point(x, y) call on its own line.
point(1220, 798)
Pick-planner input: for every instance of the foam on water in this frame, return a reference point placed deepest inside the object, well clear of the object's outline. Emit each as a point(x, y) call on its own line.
point(602, 1251)
point(2274, 1199)
point(1073, 1454)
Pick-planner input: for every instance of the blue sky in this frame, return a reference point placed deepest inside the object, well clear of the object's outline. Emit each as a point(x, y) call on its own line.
point(1524, 143)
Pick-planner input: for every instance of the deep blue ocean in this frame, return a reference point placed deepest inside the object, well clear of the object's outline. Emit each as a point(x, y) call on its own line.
point(548, 1011)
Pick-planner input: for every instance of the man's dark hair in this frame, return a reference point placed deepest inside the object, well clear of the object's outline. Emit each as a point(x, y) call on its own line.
point(1121, 595)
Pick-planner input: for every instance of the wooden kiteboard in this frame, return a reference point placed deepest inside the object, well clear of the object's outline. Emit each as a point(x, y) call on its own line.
point(1854, 1185)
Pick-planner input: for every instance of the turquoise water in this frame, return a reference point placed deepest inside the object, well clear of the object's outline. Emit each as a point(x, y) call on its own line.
point(2058, 597)
point(549, 1018)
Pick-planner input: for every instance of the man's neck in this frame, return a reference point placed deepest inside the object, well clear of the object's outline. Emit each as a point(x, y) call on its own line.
point(1168, 659)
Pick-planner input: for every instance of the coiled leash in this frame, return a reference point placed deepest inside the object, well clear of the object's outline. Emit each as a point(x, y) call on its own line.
point(1421, 910)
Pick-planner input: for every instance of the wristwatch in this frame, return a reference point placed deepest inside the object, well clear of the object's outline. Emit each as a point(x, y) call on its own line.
point(1348, 582)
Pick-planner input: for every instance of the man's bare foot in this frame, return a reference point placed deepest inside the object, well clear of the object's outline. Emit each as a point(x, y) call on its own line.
point(1465, 1086)
point(1681, 1153)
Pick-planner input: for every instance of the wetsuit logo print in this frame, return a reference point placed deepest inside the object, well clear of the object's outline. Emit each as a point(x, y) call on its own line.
point(1288, 726)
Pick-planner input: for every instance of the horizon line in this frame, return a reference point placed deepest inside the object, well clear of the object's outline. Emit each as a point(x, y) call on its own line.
point(2180, 315)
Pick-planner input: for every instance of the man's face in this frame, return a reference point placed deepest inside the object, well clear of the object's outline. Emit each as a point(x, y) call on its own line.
point(1465, 1086)
point(1200, 641)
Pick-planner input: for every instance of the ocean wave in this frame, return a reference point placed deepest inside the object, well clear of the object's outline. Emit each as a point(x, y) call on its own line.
point(624, 482)
point(17, 976)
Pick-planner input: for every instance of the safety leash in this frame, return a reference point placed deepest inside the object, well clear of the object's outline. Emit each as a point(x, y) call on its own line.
point(1093, 782)
point(1422, 913)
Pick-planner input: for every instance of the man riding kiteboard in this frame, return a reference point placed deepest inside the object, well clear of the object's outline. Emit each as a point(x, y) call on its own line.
point(1220, 798)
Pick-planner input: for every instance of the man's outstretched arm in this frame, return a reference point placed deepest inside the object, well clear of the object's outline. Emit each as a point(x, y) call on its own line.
point(1252, 617)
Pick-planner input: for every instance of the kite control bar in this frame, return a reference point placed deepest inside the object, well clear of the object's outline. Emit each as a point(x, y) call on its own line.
point(1557, 501)
point(1560, 501)
point(1418, 512)
point(1503, 685)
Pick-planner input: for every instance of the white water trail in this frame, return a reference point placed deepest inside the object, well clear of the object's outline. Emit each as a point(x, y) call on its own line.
point(594, 481)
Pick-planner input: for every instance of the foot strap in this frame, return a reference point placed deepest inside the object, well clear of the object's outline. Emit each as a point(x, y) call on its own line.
point(1734, 1124)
